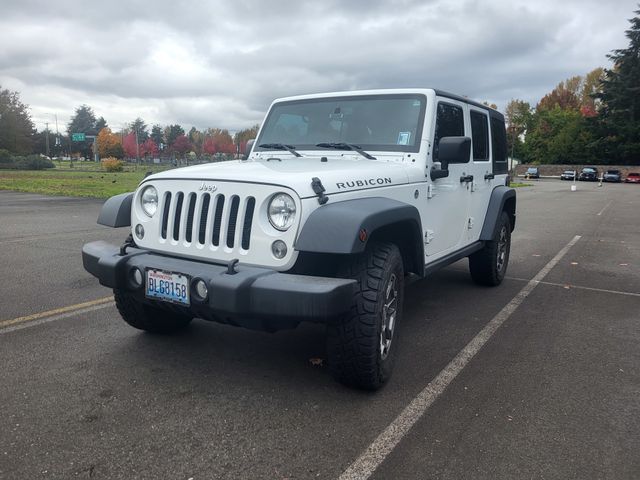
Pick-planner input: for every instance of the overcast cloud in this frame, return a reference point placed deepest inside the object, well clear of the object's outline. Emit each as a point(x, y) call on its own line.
point(220, 64)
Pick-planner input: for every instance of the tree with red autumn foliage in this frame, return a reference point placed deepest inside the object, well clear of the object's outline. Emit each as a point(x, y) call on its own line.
point(149, 148)
point(181, 145)
point(129, 145)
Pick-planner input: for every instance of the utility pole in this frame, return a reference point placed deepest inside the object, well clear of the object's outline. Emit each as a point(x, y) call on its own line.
point(137, 148)
point(46, 124)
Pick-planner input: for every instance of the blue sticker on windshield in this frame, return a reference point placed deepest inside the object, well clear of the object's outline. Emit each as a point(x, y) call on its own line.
point(403, 138)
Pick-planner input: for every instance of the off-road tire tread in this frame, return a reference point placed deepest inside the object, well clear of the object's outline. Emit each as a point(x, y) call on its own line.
point(482, 264)
point(146, 317)
point(353, 342)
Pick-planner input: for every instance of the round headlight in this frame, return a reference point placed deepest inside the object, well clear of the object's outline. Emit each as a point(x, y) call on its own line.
point(282, 211)
point(149, 200)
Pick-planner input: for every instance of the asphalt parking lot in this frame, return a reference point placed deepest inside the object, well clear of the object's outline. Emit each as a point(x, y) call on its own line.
point(554, 393)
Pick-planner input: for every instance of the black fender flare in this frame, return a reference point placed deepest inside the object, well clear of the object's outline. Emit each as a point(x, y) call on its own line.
point(116, 211)
point(500, 200)
point(336, 228)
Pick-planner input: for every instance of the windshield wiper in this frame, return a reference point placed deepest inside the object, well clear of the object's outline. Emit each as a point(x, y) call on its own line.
point(279, 146)
point(346, 146)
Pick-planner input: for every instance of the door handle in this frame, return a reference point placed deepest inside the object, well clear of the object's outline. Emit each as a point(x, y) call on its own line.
point(466, 178)
point(489, 176)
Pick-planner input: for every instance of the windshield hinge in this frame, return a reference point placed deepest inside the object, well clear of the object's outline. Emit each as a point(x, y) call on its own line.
point(319, 190)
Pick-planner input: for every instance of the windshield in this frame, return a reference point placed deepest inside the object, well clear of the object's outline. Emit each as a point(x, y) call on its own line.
point(569, 172)
point(588, 170)
point(532, 170)
point(372, 122)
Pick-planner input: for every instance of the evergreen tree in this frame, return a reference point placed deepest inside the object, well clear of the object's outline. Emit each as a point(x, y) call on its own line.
point(16, 128)
point(172, 132)
point(620, 128)
point(100, 124)
point(141, 128)
point(156, 135)
point(84, 121)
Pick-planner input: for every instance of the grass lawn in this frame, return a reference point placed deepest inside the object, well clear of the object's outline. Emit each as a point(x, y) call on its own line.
point(520, 184)
point(71, 183)
point(83, 179)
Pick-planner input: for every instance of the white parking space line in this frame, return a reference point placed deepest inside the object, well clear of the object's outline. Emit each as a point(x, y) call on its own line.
point(366, 464)
point(605, 207)
point(570, 286)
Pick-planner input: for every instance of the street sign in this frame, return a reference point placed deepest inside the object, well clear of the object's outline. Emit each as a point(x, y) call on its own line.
point(77, 137)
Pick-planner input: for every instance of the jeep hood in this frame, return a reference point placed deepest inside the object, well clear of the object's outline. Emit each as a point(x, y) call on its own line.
point(336, 175)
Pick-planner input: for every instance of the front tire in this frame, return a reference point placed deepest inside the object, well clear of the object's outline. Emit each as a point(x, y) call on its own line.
point(362, 347)
point(489, 265)
point(146, 317)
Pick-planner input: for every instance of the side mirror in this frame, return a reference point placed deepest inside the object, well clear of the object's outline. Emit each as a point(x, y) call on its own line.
point(454, 150)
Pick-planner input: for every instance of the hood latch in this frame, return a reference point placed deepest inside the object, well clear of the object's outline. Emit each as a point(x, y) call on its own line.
point(319, 190)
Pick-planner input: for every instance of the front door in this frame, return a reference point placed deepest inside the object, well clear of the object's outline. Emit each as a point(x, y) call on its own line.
point(445, 220)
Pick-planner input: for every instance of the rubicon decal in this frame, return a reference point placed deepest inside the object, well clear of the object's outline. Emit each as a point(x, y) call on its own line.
point(364, 182)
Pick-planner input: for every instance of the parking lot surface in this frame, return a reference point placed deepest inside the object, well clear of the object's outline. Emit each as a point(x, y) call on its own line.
point(552, 393)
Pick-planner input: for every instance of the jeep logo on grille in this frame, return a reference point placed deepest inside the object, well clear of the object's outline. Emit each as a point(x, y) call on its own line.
point(207, 188)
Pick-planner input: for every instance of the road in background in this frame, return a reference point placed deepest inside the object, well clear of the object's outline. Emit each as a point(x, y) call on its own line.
point(554, 394)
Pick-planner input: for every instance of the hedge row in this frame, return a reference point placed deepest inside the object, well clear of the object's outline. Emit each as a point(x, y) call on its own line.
point(30, 162)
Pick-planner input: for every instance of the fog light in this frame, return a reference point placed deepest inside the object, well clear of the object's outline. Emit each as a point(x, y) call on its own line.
point(139, 231)
point(136, 277)
point(279, 249)
point(201, 289)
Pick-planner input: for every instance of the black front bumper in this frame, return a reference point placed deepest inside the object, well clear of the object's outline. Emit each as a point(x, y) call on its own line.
point(251, 297)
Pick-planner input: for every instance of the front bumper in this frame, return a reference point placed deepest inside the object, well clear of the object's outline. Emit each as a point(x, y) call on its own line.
point(251, 297)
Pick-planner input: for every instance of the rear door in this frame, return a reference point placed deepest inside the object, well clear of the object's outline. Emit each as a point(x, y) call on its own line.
point(481, 169)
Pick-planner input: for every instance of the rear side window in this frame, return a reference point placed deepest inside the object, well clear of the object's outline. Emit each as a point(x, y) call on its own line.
point(499, 145)
point(449, 123)
point(480, 133)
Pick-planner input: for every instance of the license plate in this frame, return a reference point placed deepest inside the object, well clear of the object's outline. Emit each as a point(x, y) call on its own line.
point(167, 286)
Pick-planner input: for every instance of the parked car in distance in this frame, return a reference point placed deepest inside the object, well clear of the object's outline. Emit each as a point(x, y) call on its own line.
point(532, 172)
point(568, 175)
point(588, 174)
point(633, 177)
point(612, 176)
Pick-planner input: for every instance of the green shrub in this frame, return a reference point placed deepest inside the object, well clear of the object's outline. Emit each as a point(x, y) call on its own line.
point(5, 157)
point(32, 162)
point(112, 164)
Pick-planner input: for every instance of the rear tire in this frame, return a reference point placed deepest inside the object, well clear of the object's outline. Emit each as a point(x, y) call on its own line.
point(362, 346)
point(146, 317)
point(489, 265)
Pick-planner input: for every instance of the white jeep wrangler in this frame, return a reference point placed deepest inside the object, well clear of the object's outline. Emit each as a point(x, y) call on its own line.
point(342, 196)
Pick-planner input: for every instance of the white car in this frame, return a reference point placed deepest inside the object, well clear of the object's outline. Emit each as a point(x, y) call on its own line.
point(342, 196)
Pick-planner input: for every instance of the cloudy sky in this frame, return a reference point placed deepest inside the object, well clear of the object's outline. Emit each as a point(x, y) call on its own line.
point(220, 63)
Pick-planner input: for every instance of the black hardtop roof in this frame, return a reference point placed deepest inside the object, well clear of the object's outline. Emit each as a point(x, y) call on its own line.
point(453, 96)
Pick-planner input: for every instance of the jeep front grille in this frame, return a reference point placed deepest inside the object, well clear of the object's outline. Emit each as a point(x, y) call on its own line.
point(208, 219)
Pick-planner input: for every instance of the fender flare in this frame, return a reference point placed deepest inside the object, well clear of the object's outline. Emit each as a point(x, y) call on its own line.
point(335, 228)
point(116, 211)
point(499, 198)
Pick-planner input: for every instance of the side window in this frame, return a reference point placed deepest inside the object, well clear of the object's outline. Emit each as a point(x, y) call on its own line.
point(449, 123)
point(499, 145)
point(480, 133)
